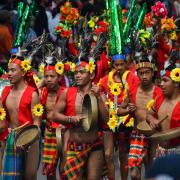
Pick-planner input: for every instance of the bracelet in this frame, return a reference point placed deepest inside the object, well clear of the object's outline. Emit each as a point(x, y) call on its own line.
point(70, 119)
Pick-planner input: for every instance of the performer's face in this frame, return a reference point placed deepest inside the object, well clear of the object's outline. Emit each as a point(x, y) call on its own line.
point(119, 66)
point(51, 79)
point(81, 76)
point(15, 73)
point(145, 75)
point(167, 86)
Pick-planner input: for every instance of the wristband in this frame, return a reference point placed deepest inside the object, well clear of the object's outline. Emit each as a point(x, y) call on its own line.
point(70, 119)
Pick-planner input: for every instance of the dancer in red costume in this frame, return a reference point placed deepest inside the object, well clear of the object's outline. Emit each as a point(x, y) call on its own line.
point(167, 104)
point(141, 95)
point(49, 95)
point(121, 76)
point(19, 101)
point(83, 156)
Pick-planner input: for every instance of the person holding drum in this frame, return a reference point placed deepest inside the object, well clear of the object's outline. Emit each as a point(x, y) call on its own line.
point(167, 107)
point(141, 95)
point(22, 107)
point(83, 156)
point(49, 95)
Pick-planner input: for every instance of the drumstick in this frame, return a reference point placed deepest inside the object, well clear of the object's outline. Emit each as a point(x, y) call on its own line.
point(18, 128)
point(163, 119)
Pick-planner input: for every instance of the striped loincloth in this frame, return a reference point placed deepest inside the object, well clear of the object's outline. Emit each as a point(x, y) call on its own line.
point(50, 153)
point(138, 149)
point(13, 160)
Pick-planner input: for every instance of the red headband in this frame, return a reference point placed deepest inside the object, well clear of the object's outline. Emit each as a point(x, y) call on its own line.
point(165, 73)
point(82, 64)
point(49, 68)
point(16, 61)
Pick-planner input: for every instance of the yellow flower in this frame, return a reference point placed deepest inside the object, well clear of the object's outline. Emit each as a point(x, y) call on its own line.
point(115, 89)
point(130, 123)
point(26, 65)
point(59, 67)
point(150, 104)
point(73, 67)
point(99, 83)
point(9, 61)
point(92, 66)
point(36, 79)
point(110, 104)
point(41, 68)
point(87, 68)
point(173, 36)
point(2, 114)
point(175, 74)
point(38, 110)
point(113, 123)
point(91, 23)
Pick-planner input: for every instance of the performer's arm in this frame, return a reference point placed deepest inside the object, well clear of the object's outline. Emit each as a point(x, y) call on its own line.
point(35, 100)
point(59, 110)
point(151, 120)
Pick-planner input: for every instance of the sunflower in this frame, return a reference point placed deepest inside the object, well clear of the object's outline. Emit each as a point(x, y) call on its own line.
point(175, 75)
point(92, 66)
point(87, 68)
point(41, 68)
point(73, 67)
point(115, 89)
point(59, 67)
point(130, 123)
point(150, 104)
point(26, 65)
point(2, 114)
point(38, 110)
point(110, 104)
point(36, 79)
point(113, 123)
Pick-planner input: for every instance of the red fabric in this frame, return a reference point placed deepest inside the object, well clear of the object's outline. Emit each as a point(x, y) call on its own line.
point(16, 61)
point(70, 103)
point(163, 53)
point(44, 94)
point(72, 49)
point(174, 121)
point(24, 109)
point(49, 68)
point(133, 68)
point(132, 81)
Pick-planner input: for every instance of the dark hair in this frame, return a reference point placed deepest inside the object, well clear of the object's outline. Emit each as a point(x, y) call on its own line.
point(4, 16)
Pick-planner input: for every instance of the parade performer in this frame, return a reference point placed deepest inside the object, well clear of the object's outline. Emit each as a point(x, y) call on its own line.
point(84, 149)
point(120, 77)
point(167, 105)
point(141, 96)
point(22, 106)
point(49, 95)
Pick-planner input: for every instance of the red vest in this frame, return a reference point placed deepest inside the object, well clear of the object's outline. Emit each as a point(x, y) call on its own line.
point(70, 103)
point(44, 94)
point(175, 117)
point(24, 110)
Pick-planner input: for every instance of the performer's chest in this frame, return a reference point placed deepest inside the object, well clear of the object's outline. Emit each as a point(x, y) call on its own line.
point(142, 98)
point(13, 101)
point(165, 109)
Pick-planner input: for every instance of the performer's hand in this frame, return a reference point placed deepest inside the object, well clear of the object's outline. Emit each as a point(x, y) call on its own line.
point(131, 107)
point(154, 123)
point(77, 119)
point(95, 90)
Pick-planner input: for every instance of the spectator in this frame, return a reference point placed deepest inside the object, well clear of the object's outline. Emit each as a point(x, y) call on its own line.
point(6, 37)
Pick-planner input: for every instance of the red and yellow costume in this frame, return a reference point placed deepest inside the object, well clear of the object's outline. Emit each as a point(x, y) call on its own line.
point(50, 151)
point(76, 154)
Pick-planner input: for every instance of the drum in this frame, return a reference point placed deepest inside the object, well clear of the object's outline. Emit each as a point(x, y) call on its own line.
point(26, 136)
point(166, 135)
point(90, 112)
point(144, 128)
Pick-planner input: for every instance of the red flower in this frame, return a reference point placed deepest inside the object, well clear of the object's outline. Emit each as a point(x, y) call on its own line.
point(66, 67)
